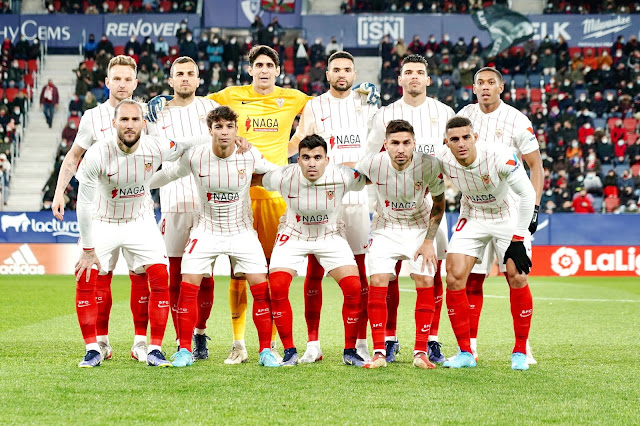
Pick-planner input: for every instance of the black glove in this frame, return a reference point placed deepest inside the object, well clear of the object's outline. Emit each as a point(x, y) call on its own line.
point(534, 220)
point(518, 254)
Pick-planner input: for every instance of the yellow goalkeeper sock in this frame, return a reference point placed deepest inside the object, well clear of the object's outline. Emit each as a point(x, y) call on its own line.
point(238, 307)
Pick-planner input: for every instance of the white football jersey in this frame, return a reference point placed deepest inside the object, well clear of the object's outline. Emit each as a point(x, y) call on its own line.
point(402, 201)
point(344, 124)
point(312, 207)
point(486, 185)
point(506, 125)
point(222, 186)
point(122, 180)
point(428, 120)
point(176, 122)
point(96, 124)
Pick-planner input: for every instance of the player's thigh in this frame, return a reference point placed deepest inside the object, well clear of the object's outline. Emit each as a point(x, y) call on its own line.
point(442, 239)
point(470, 237)
point(333, 253)
point(288, 253)
point(175, 229)
point(201, 253)
point(413, 240)
point(486, 263)
point(143, 245)
point(108, 239)
point(266, 218)
point(384, 252)
point(246, 254)
point(357, 226)
point(501, 244)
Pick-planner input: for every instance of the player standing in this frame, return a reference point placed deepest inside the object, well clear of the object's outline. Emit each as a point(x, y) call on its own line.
point(429, 118)
point(313, 190)
point(343, 119)
point(224, 226)
point(114, 187)
point(487, 175)
point(498, 123)
point(404, 228)
point(184, 116)
point(96, 125)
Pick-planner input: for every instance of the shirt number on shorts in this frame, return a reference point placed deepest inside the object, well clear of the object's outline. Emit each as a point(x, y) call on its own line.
point(461, 224)
point(192, 243)
point(163, 226)
point(281, 239)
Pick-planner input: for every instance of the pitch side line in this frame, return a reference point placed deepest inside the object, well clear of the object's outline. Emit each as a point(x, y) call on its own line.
point(561, 299)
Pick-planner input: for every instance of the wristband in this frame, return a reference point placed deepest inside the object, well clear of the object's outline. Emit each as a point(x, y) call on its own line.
point(517, 238)
point(88, 249)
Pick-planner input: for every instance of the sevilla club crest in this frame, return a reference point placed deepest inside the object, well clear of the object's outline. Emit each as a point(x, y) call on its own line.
point(280, 102)
point(148, 167)
point(485, 179)
point(331, 195)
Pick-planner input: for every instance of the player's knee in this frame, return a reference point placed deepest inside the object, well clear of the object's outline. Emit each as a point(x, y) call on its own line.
point(518, 280)
point(455, 280)
point(379, 280)
point(422, 281)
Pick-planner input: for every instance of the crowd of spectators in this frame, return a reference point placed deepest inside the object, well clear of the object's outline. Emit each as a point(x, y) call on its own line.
point(468, 6)
point(583, 102)
point(18, 65)
point(94, 7)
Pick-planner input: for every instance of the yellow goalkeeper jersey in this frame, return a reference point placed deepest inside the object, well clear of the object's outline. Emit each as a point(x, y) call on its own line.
point(264, 120)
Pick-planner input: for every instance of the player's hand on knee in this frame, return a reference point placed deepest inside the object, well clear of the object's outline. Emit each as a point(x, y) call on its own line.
point(242, 145)
point(518, 253)
point(57, 207)
point(155, 105)
point(86, 262)
point(370, 90)
point(428, 254)
point(534, 220)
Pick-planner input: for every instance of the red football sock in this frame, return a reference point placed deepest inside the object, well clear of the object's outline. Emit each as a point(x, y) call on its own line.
point(364, 296)
point(104, 302)
point(521, 310)
point(378, 315)
point(350, 309)
point(474, 295)
point(175, 278)
point(187, 313)
point(393, 300)
point(423, 317)
point(313, 297)
point(158, 302)
point(139, 303)
point(262, 313)
point(437, 295)
point(279, 283)
point(458, 309)
point(86, 306)
point(205, 302)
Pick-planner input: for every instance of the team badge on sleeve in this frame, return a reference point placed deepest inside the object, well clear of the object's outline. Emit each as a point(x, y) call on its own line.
point(514, 162)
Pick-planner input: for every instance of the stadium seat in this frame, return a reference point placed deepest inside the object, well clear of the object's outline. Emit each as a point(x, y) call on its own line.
point(535, 95)
point(125, 4)
point(635, 170)
point(165, 5)
point(1, 93)
point(632, 137)
point(578, 92)
point(573, 50)
point(620, 168)
point(519, 81)
point(515, 49)
point(611, 122)
point(112, 5)
point(289, 66)
point(630, 124)
point(535, 106)
point(118, 50)
point(75, 120)
point(605, 169)
point(11, 93)
point(598, 203)
point(89, 63)
point(611, 203)
point(288, 52)
point(610, 191)
point(547, 79)
point(28, 80)
point(520, 92)
point(534, 81)
point(599, 123)
point(599, 50)
point(32, 65)
point(22, 63)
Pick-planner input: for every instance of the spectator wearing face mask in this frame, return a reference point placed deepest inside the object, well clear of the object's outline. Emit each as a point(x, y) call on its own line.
point(162, 47)
point(75, 104)
point(583, 202)
point(68, 136)
point(592, 183)
point(181, 33)
point(584, 131)
point(215, 50)
point(188, 47)
point(620, 152)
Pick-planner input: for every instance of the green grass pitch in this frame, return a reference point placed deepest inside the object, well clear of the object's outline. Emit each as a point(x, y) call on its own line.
point(585, 336)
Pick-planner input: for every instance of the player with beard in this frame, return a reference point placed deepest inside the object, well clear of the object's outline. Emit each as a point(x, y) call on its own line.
point(429, 118)
point(96, 125)
point(498, 123)
point(343, 119)
point(113, 205)
point(184, 116)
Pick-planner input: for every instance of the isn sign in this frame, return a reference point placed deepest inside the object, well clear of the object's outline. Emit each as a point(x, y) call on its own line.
point(584, 261)
point(371, 29)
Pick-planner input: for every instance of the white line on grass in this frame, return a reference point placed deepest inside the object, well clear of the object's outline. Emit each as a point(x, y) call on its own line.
point(563, 299)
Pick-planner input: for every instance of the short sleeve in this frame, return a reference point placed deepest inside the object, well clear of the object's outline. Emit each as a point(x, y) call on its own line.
point(375, 139)
point(221, 97)
point(355, 180)
point(271, 180)
point(90, 168)
point(433, 175)
point(261, 164)
point(85, 137)
point(364, 165)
